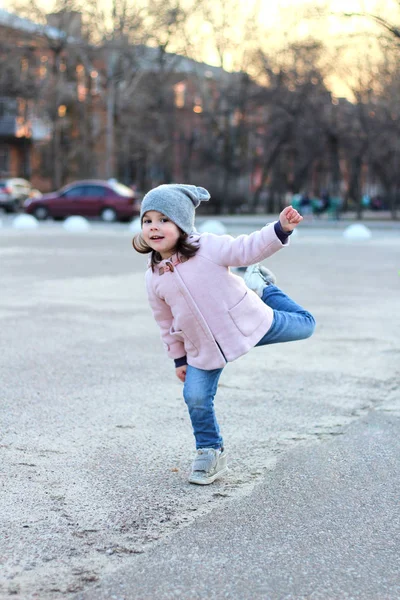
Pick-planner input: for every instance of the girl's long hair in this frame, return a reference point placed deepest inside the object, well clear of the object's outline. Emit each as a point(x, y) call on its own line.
point(183, 247)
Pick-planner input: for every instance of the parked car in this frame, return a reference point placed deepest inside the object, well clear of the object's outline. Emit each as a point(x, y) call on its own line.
point(14, 191)
point(109, 200)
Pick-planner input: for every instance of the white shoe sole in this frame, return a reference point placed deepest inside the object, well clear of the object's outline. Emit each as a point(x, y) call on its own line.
point(207, 480)
point(253, 280)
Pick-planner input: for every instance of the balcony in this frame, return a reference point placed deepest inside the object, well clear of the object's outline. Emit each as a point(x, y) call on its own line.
point(15, 127)
point(8, 126)
point(19, 120)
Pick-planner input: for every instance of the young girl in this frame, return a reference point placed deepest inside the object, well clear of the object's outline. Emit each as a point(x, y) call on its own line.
point(207, 315)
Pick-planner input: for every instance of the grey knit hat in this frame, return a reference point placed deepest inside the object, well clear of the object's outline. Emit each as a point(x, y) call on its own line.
point(176, 201)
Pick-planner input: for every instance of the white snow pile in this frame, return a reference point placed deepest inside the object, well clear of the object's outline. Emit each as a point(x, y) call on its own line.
point(358, 231)
point(212, 226)
point(76, 224)
point(25, 222)
point(135, 226)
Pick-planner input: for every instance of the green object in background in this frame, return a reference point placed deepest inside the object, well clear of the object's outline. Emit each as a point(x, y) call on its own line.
point(296, 201)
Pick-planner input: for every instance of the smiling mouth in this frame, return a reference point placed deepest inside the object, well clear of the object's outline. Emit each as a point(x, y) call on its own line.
point(156, 238)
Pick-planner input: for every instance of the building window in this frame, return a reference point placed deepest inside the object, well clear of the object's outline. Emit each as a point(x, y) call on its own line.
point(179, 90)
point(95, 82)
point(8, 107)
point(4, 160)
point(24, 67)
point(81, 85)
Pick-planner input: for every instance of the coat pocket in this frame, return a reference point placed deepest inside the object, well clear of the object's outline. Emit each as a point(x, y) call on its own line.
point(190, 347)
point(246, 314)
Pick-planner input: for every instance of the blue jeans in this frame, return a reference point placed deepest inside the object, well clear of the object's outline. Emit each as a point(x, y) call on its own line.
point(290, 322)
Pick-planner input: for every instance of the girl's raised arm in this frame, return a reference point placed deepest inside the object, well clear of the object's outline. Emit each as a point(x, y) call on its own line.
point(244, 250)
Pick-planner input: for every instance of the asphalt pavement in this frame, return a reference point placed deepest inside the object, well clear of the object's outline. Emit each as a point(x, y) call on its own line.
point(96, 443)
point(324, 524)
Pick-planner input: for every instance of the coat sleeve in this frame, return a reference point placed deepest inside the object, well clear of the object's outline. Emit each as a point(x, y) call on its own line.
point(164, 319)
point(245, 249)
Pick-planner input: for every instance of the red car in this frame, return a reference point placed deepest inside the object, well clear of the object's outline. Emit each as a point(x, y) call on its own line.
point(109, 200)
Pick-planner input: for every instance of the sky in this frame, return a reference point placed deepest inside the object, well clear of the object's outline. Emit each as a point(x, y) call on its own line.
point(292, 20)
point(356, 33)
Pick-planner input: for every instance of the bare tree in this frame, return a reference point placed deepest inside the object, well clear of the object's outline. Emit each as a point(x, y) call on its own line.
point(232, 33)
point(289, 123)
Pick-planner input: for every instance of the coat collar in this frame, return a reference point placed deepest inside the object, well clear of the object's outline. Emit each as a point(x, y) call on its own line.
point(168, 264)
point(175, 259)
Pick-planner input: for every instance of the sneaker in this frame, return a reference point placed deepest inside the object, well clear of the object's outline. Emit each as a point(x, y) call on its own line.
point(257, 277)
point(208, 465)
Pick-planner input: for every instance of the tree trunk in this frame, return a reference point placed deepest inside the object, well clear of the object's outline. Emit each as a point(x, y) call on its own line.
point(354, 188)
point(56, 137)
point(268, 164)
point(394, 199)
point(335, 166)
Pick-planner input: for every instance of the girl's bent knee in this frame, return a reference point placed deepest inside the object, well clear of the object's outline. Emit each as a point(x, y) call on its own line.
point(195, 400)
point(312, 324)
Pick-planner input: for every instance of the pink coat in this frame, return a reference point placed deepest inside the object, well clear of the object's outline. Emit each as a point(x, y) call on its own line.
point(203, 310)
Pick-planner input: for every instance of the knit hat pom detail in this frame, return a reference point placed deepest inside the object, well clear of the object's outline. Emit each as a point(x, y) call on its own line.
point(197, 194)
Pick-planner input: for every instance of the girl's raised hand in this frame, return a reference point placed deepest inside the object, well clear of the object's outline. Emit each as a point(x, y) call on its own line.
point(289, 218)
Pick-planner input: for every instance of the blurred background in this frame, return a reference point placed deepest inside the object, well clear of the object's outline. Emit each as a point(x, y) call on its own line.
point(263, 105)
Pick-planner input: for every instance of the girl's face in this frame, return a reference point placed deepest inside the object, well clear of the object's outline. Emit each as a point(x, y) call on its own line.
point(160, 233)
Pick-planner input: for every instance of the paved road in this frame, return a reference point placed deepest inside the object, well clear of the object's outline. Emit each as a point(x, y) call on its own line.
point(324, 524)
point(244, 223)
point(96, 443)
